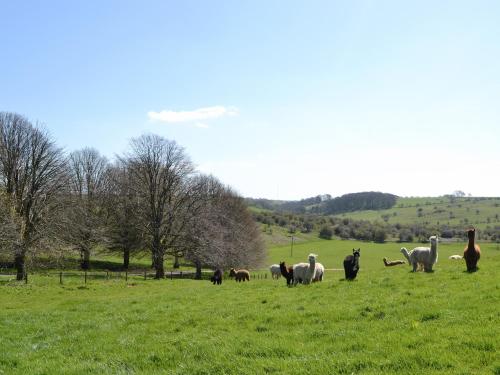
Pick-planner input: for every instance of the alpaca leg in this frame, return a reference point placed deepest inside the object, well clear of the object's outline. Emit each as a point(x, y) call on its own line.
point(415, 264)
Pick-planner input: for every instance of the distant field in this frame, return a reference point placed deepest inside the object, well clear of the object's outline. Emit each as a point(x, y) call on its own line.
point(479, 212)
point(387, 321)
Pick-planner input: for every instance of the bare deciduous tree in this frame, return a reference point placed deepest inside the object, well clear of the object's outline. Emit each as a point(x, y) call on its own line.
point(33, 174)
point(161, 172)
point(88, 183)
point(222, 233)
point(123, 204)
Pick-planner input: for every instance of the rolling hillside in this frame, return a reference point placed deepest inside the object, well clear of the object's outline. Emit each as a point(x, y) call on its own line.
point(397, 218)
point(452, 211)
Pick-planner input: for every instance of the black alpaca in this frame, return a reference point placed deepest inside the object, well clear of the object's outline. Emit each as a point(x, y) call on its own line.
point(287, 273)
point(351, 265)
point(217, 277)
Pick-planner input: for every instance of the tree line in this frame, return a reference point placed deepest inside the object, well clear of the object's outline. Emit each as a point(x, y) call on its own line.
point(326, 205)
point(150, 200)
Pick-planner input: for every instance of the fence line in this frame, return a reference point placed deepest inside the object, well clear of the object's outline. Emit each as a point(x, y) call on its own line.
point(85, 276)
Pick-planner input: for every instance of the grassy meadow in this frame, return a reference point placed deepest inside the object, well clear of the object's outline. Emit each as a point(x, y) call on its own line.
point(388, 320)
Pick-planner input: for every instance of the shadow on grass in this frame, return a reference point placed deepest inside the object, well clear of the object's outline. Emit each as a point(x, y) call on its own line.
point(471, 271)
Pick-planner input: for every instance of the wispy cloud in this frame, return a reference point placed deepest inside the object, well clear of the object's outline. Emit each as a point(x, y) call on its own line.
point(199, 114)
point(201, 125)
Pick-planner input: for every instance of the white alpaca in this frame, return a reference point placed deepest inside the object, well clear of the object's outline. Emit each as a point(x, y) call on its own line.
point(299, 272)
point(311, 270)
point(320, 271)
point(455, 257)
point(308, 272)
point(275, 271)
point(423, 255)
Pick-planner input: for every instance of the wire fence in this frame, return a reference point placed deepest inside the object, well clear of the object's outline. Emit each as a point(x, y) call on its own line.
point(86, 276)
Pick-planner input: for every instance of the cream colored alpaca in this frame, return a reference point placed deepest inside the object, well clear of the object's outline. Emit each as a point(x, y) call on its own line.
point(424, 255)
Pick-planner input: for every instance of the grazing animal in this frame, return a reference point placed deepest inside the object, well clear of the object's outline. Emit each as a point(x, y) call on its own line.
point(455, 257)
point(472, 252)
point(275, 271)
point(404, 251)
point(424, 255)
point(217, 277)
point(351, 264)
point(315, 271)
point(287, 273)
point(239, 275)
point(299, 272)
point(390, 263)
point(320, 271)
point(311, 270)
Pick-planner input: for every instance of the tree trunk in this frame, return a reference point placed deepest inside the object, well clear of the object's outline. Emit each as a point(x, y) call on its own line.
point(19, 262)
point(160, 271)
point(126, 258)
point(157, 253)
point(176, 261)
point(197, 276)
point(85, 259)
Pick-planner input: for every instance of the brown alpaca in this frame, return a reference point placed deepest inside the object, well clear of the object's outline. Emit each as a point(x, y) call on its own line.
point(472, 252)
point(393, 262)
point(239, 275)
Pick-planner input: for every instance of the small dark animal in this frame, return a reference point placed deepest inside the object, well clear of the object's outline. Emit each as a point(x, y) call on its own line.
point(217, 277)
point(351, 264)
point(287, 273)
point(239, 275)
point(472, 252)
point(389, 263)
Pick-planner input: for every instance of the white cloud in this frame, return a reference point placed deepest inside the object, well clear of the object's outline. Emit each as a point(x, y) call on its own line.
point(201, 125)
point(194, 115)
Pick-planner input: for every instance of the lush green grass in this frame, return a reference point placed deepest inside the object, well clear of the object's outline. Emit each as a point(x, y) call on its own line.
point(387, 321)
point(480, 212)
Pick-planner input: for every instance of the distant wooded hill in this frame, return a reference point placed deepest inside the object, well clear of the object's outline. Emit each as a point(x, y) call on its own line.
point(326, 205)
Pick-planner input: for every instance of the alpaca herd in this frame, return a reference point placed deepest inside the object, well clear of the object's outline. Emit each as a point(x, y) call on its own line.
point(420, 258)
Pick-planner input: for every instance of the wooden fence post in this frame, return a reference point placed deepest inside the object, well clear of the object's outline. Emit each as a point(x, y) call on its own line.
point(145, 275)
point(60, 278)
point(26, 277)
point(85, 276)
point(126, 276)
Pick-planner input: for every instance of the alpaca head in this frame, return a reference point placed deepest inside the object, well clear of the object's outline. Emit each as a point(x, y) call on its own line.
point(312, 257)
point(232, 272)
point(471, 233)
point(433, 239)
point(356, 252)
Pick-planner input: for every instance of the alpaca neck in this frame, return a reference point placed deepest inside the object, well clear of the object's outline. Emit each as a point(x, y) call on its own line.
point(471, 242)
point(434, 252)
point(406, 254)
point(312, 263)
point(283, 270)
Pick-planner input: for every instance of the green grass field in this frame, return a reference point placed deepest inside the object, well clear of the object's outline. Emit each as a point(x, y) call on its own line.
point(389, 320)
point(480, 212)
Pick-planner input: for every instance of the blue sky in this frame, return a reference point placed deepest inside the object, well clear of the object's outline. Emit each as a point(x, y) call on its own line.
point(279, 99)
